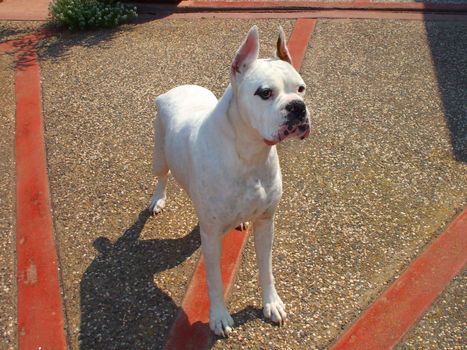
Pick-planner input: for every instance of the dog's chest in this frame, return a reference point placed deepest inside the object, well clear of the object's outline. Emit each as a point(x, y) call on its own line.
point(251, 198)
point(253, 194)
point(226, 196)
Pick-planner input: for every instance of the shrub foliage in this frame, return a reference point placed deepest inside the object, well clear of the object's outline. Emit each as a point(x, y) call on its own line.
point(88, 14)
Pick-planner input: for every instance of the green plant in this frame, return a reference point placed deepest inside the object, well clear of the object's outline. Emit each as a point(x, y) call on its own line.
point(87, 14)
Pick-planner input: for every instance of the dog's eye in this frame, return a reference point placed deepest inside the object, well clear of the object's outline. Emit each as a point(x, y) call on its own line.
point(301, 89)
point(265, 94)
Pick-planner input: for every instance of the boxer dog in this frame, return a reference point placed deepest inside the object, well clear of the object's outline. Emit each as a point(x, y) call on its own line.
point(223, 154)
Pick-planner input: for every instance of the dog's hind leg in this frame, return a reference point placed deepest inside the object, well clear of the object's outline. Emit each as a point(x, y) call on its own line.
point(160, 169)
point(157, 202)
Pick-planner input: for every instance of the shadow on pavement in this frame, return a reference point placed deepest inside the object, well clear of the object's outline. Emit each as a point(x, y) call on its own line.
point(121, 307)
point(51, 42)
point(62, 40)
point(448, 42)
point(12, 33)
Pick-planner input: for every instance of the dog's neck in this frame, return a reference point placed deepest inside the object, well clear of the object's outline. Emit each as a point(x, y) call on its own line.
point(249, 144)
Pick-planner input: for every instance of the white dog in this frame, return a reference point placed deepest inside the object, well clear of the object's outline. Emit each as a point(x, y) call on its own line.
point(222, 154)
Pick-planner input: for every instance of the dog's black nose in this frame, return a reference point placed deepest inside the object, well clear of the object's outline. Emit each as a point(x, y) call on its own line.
point(297, 111)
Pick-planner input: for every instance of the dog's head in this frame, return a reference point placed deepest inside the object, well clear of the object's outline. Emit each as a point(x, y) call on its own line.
point(270, 92)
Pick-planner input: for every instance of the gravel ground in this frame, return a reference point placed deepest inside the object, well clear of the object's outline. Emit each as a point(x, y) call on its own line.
point(371, 187)
point(446, 319)
point(98, 90)
point(362, 196)
point(7, 205)
point(13, 29)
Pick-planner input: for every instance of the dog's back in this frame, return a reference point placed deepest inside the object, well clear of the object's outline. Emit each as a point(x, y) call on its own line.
point(184, 104)
point(178, 112)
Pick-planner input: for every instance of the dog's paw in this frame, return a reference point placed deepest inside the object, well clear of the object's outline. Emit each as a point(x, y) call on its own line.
point(274, 309)
point(156, 205)
point(221, 322)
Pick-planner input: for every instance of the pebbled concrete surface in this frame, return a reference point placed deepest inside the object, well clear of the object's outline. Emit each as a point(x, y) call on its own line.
point(7, 204)
point(10, 30)
point(370, 188)
point(446, 319)
point(124, 277)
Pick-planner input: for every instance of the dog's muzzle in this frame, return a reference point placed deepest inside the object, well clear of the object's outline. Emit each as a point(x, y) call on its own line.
point(296, 123)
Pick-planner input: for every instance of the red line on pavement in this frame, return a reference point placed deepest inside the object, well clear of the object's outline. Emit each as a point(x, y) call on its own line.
point(24, 10)
point(39, 305)
point(298, 42)
point(390, 317)
point(190, 329)
point(311, 5)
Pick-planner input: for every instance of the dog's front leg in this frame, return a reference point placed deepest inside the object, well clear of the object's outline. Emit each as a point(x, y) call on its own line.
point(220, 320)
point(273, 307)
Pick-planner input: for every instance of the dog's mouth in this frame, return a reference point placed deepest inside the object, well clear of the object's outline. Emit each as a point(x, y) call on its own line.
point(288, 131)
point(270, 142)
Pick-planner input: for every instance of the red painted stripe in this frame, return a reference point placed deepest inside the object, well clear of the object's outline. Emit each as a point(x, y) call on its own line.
point(6, 46)
point(24, 10)
point(191, 329)
point(25, 43)
point(389, 318)
point(298, 42)
point(39, 308)
point(311, 5)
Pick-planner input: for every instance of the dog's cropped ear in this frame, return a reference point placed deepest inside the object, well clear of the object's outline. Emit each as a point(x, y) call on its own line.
point(282, 51)
point(247, 52)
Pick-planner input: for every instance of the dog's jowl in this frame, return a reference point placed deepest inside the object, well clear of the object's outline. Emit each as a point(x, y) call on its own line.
point(223, 154)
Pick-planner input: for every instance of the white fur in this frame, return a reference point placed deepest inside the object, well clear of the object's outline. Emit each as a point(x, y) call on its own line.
point(216, 151)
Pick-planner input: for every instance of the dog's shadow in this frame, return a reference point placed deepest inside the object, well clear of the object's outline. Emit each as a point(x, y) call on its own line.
point(121, 307)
